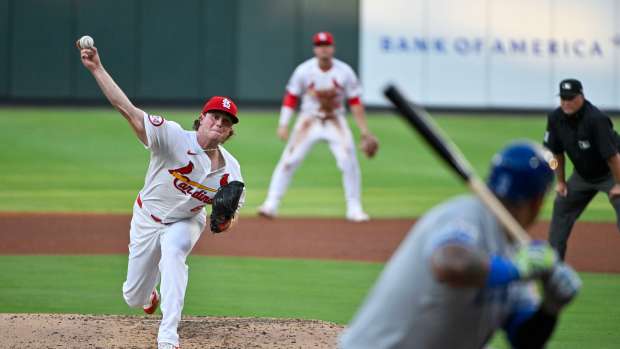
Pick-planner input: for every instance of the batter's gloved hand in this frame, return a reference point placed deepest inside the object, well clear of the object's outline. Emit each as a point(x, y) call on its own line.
point(535, 260)
point(369, 145)
point(224, 205)
point(560, 287)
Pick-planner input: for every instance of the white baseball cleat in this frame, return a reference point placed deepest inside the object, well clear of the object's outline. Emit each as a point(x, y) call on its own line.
point(267, 212)
point(167, 346)
point(357, 216)
point(153, 303)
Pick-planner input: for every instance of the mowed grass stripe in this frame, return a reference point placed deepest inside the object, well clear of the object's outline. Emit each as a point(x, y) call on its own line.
point(87, 159)
point(284, 288)
point(218, 286)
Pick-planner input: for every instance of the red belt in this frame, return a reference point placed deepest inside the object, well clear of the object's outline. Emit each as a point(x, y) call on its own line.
point(155, 218)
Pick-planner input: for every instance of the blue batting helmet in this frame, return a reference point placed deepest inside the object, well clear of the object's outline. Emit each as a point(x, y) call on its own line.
point(521, 171)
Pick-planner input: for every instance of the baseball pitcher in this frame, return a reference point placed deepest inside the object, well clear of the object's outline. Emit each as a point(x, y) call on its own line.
point(188, 170)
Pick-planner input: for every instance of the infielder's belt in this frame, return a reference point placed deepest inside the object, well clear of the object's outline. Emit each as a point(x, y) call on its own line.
point(155, 218)
point(323, 116)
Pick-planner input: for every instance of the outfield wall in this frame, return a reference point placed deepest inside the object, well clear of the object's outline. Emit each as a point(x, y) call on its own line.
point(467, 55)
point(159, 50)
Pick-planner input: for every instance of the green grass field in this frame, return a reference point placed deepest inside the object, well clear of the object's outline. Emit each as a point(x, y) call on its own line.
point(58, 159)
point(88, 160)
point(248, 287)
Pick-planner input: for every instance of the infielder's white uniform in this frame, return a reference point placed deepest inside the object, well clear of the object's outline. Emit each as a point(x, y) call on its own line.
point(316, 124)
point(408, 308)
point(169, 217)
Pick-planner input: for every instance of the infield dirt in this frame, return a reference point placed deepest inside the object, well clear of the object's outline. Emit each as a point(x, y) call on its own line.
point(593, 246)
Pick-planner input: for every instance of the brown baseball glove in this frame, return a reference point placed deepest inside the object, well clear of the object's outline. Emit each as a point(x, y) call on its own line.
point(369, 145)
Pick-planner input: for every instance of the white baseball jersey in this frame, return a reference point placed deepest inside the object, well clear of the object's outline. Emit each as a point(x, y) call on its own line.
point(179, 181)
point(169, 217)
point(409, 308)
point(320, 123)
point(308, 80)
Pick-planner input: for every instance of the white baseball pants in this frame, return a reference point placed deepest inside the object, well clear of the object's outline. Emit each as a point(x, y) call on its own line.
point(309, 130)
point(158, 252)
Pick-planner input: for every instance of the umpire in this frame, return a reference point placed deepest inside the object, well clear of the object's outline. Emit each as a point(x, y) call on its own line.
point(587, 136)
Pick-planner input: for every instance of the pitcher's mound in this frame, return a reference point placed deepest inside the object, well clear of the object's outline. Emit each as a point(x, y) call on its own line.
point(113, 331)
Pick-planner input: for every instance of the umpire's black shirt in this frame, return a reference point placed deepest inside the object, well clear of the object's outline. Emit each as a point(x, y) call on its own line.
point(588, 138)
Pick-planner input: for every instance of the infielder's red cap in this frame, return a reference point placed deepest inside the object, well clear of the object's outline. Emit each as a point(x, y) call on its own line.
point(323, 38)
point(224, 104)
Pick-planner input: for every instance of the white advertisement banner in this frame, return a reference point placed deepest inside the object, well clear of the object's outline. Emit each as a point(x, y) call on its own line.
point(490, 53)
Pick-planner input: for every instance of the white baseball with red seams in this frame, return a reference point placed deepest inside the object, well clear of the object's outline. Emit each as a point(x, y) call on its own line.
point(86, 42)
point(168, 217)
point(315, 124)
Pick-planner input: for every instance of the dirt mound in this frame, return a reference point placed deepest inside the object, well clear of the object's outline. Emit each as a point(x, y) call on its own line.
point(99, 331)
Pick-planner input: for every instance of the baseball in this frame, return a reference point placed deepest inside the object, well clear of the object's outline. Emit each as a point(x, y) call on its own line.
point(86, 42)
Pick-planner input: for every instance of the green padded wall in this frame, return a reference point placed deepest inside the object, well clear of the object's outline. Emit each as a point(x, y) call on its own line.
point(41, 48)
point(112, 24)
point(170, 51)
point(5, 66)
point(220, 50)
point(158, 50)
point(266, 46)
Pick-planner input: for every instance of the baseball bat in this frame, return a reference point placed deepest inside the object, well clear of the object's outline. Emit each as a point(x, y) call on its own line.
point(448, 152)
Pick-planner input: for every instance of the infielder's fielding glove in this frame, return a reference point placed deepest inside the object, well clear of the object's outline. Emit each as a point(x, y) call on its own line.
point(369, 145)
point(224, 205)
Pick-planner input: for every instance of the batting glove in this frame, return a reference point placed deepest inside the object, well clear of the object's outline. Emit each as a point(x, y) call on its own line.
point(535, 260)
point(560, 287)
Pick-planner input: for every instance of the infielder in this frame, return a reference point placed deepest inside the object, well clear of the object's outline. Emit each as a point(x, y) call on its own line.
point(587, 136)
point(187, 171)
point(456, 279)
point(324, 84)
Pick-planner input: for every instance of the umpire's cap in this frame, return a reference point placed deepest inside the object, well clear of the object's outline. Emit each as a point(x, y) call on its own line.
point(521, 171)
point(570, 88)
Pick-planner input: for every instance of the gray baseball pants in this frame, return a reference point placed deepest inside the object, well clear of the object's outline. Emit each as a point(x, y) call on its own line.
point(567, 209)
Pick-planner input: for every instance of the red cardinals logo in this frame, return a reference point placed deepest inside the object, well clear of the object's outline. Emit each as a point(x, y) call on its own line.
point(337, 85)
point(181, 182)
point(329, 98)
point(224, 180)
point(188, 187)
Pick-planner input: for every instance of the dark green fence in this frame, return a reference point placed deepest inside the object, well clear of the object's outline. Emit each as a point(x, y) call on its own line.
point(171, 51)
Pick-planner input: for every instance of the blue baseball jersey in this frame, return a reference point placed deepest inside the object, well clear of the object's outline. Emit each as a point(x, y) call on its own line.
point(409, 308)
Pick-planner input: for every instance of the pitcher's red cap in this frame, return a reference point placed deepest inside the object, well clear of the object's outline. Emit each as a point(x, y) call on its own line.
point(224, 104)
point(323, 38)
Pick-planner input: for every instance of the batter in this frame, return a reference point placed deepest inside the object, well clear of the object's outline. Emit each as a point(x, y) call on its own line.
point(456, 279)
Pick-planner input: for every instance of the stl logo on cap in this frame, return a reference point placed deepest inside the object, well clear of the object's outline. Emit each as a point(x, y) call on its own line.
point(566, 86)
point(223, 104)
point(323, 38)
